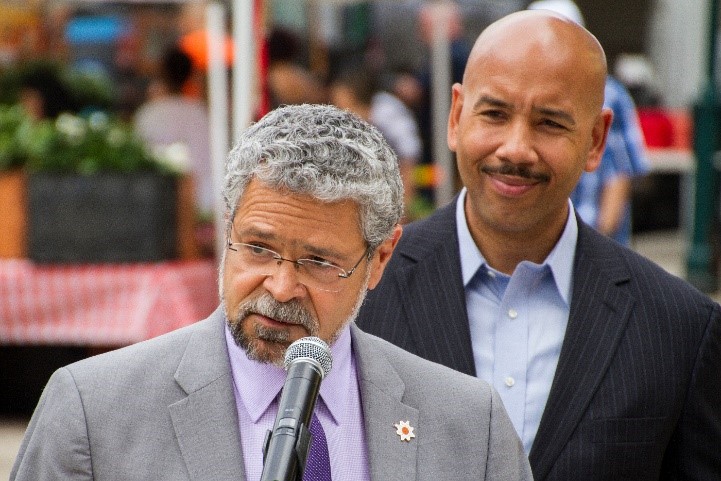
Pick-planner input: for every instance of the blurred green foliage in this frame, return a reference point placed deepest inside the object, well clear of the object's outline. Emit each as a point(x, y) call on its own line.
point(72, 144)
point(76, 134)
point(15, 137)
point(63, 89)
point(75, 144)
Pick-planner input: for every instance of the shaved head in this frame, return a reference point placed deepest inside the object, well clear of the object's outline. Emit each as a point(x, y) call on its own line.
point(540, 36)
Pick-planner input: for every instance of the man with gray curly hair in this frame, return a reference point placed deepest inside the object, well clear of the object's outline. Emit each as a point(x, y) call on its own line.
point(314, 199)
point(336, 157)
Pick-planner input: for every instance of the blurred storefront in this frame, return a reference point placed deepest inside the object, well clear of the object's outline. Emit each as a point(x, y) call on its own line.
point(20, 30)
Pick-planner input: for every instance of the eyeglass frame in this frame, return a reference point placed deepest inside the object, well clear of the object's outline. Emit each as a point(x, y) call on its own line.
point(343, 274)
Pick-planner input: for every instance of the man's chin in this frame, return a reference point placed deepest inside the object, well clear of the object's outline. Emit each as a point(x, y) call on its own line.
point(267, 352)
point(266, 345)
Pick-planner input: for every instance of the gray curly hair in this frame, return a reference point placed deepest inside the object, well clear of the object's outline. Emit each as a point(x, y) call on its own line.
point(327, 153)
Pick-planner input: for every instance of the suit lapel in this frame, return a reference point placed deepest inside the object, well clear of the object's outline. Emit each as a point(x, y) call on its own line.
point(598, 316)
point(206, 421)
point(433, 299)
point(381, 394)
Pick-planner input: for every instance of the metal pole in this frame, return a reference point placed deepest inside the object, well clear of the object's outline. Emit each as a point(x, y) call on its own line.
point(701, 268)
point(243, 65)
point(218, 114)
point(441, 105)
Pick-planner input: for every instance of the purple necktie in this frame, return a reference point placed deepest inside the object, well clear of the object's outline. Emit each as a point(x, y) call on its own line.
point(318, 466)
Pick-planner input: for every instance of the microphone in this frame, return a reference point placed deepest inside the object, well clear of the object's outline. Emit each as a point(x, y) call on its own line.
point(285, 449)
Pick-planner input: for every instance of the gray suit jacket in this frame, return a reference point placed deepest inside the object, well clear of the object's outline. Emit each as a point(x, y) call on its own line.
point(637, 390)
point(164, 409)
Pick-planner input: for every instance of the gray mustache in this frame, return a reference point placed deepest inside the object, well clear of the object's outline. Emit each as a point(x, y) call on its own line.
point(291, 312)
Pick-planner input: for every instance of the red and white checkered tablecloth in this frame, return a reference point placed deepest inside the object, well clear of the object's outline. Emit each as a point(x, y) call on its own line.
point(102, 304)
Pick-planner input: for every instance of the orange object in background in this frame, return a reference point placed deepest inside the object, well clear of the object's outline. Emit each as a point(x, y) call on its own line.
point(195, 44)
point(187, 245)
point(13, 217)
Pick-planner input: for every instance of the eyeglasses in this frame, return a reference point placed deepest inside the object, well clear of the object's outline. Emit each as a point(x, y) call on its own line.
point(312, 273)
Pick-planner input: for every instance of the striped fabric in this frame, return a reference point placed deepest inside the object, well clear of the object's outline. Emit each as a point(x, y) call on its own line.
point(102, 304)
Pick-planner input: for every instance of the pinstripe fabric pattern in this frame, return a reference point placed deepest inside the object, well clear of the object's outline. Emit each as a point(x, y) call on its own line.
point(637, 390)
point(424, 297)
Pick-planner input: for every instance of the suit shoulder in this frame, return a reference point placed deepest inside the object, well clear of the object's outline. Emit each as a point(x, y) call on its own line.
point(441, 220)
point(651, 275)
point(162, 353)
point(425, 237)
point(662, 293)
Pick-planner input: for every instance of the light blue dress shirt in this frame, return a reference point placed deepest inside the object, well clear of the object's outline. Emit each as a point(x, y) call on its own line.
point(518, 322)
point(339, 409)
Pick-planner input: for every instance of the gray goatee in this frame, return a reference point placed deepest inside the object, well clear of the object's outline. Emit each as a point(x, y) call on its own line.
point(291, 312)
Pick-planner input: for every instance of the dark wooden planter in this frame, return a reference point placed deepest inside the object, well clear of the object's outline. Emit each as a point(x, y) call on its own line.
point(105, 217)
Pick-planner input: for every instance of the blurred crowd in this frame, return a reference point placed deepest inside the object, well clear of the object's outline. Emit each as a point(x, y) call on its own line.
point(147, 67)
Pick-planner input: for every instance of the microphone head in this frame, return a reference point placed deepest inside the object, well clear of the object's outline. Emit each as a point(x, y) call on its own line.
point(310, 348)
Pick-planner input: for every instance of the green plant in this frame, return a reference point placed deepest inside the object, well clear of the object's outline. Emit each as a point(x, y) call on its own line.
point(98, 143)
point(15, 131)
point(62, 89)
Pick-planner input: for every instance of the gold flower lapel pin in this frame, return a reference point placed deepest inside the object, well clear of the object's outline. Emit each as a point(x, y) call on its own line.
point(404, 430)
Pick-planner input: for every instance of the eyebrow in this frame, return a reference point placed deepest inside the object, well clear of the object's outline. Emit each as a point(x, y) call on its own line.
point(557, 113)
point(547, 111)
point(254, 232)
point(310, 249)
point(491, 101)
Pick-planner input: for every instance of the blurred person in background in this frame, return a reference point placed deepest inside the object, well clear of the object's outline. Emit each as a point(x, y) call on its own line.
point(428, 15)
point(355, 89)
point(603, 197)
point(607, 364)
point(289, 82)
point(42, 93)
point(176, 125)
point(413, 86)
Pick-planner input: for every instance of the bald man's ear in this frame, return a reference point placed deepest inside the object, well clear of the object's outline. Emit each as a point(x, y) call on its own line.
point(599, 135)
point(454, 115)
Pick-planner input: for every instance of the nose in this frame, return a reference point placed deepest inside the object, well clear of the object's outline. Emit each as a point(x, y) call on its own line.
point(283, 282)
point(517, 144)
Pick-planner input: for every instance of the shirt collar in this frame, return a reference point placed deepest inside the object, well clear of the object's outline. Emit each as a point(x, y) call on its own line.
point(559, 260)
point(335, 387)
point(258, 384)
point(471, 258)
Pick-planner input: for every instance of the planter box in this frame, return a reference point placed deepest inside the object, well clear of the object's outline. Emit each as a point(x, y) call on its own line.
point(105, 217)
point(13, 214)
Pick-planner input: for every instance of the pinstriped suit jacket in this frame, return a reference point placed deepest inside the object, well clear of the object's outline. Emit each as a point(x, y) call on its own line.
point(637, 391)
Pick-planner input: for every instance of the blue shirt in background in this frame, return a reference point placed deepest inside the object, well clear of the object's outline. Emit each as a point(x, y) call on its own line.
point(625, 155)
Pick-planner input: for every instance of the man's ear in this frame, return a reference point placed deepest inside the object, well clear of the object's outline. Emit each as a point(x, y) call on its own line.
point(454, 115)
point(382, 256)
point(599, 135)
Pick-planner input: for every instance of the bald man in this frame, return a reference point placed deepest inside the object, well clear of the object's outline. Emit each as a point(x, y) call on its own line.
point(608, 366)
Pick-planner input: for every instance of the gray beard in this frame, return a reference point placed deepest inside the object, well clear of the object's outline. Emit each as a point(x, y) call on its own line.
point(291, 312)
